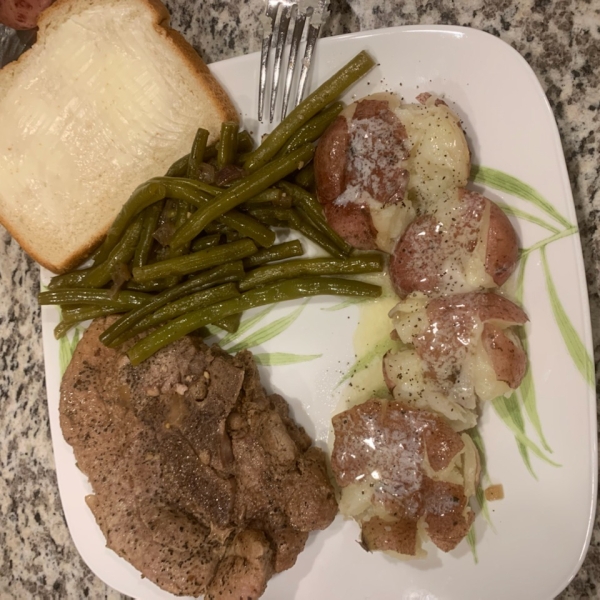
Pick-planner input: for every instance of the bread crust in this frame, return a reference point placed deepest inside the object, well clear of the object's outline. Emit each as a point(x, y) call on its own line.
point(52, 18)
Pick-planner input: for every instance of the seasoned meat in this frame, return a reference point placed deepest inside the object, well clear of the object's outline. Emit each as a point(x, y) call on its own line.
point(201, 481)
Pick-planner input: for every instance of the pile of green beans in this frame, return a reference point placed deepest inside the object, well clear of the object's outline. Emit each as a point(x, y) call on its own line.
point(197, 246)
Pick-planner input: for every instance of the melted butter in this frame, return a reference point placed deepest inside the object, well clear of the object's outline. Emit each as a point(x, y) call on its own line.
point(440, 157)
point(374, 328)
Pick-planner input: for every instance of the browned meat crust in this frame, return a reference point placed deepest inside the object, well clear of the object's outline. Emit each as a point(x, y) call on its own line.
point(202, 481)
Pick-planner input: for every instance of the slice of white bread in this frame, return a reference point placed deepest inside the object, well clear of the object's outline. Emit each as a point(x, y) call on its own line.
point(108, 97)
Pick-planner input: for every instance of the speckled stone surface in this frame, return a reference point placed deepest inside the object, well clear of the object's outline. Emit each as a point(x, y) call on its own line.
point(561, 41)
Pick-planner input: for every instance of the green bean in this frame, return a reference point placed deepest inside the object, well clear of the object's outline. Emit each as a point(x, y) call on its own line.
point(149, 225)
point(249, 227)
point(197, 261)
point(313, 211)
point(149, 286)
point(247, 188)
point(122, 253)
point(210, 152)
point(169, 253)
point(294, 221)
point(196, 157)
point(70, 312)
point(371, 263)
point(283, 202)
point(279, 252)
point(197, 194)
point(92, 257)
point(227, 144)
point(318, 100)
point(216, 227)
point(267, 216)
point(245, 143)
point(74, 317)
point(83, 313)
point(313, 129)
point(231, 235)
point(306, 176)
point(63, 328)
point(284, 290)
point(144, 195)
point(265, 213)
point(122, 299)
point(230, 324)
point(206, 241)
point(270, 195)
point(312, 233)
point(189, 303)
point(179, 167)
point(100, 275)
point(226, 273)
point(72, 279)
point(181, 216)
point(182, 188)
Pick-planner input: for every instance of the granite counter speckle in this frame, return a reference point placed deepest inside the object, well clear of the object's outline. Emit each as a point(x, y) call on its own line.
point(561, 41)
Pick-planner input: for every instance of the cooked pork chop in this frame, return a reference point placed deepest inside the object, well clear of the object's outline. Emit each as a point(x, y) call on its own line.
point(201, 481)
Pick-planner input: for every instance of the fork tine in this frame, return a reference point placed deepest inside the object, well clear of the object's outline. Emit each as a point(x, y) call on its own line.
point(294, 47)
point(281, 30)
point(311, 39)
point(264, 58)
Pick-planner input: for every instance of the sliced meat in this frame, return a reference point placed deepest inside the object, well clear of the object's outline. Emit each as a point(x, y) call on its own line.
point(202, 481)
point(245, 569)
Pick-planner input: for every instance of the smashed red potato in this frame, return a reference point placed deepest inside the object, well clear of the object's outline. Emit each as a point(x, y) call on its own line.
point(476, 247)
point(459, 348)
point(393, 176)
point(361, 173)
point(405, 474)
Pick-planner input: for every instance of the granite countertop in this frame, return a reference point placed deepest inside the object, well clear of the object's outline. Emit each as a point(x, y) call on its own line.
point(561, 41)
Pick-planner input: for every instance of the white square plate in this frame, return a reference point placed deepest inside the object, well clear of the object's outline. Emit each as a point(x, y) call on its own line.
point(540, 531)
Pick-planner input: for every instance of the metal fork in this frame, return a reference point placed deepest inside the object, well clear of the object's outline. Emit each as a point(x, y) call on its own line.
point(306, 14)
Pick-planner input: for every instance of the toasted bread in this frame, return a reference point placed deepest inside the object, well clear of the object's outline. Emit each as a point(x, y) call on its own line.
point(108, 97)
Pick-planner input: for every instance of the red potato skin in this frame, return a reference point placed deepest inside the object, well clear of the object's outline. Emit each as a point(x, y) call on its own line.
point(330, 161)
point(485, 305)
point(508, 359)
point(502, 246)
point(424, 434)
point(22, 14)
point(451, 322)
point(333, 174)
point(416, 264)
point(413, 266)
point(396, 536)
point(351, 222)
